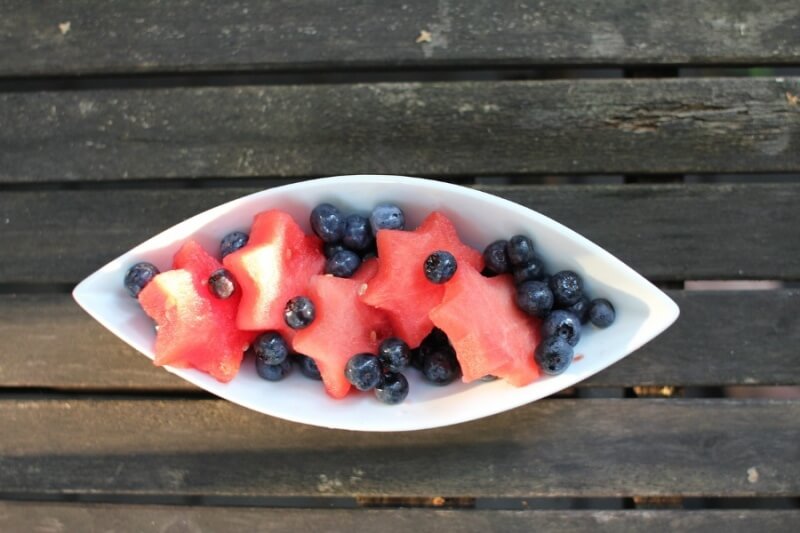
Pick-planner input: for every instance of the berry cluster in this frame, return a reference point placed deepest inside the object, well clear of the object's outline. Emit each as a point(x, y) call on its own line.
point(558, 300)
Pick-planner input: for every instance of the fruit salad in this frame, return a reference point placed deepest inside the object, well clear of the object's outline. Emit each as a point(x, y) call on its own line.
point(364, 300)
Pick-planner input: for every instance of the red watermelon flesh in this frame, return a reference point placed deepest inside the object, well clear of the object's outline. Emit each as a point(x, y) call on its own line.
point(274, 267)
point(195, 328)
point(400, 287)
point(366, 271)
point(343, 327)
point(489, 333)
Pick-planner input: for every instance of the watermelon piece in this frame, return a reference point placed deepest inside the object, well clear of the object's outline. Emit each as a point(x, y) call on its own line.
point(274, 267)
point(490, 334)
point(366, 271)
point(343, 327)
point(400, 287)
point(195, 328)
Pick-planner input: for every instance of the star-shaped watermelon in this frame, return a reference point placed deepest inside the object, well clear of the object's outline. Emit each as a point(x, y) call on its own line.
point(195, 328)
point(490, 334)
point(274, 267)
point(400, 287)
point(343, 327)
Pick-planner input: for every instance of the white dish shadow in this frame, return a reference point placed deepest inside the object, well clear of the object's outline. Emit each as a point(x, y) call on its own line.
point(643, 311)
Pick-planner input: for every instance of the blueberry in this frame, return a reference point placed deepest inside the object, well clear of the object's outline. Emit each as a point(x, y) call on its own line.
point(327, 222)
point(221, 284)
point(440, 366)
point(357, 233)
point(416, 358)
point(232, 242)
point(553, 355)
point(343, 264)
point(580, 309)
point(299, 312)
point(273, 372)
point(495, 257)
point(271, 347)
point(533, 270)
point(138, 276)
point(562, 324)
point(440, 267)
point(602, 313)
point(435, 339)
point(308, 367)
point(331, 248)
point(363, 371)
point(535, 298)
point(370, 251)
point(386, 216)
point(392, 388)
point(394, 354)
point(567, 288)
point(520, 250)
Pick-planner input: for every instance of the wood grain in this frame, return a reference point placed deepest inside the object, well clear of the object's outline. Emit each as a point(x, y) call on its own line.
point(665, 232)
point(444, 129)
point(154, 36)
point(52, 343)
point(752, 342)
point(549, 448)
point(94, 518)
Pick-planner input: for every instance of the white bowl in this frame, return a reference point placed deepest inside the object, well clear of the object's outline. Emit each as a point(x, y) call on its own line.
point(643, 311)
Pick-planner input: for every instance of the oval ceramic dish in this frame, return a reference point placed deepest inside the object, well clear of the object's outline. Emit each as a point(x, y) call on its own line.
point(643, 311)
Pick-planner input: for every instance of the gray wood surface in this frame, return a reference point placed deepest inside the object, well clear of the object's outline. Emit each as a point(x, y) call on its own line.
point(52, 343)
point(65, 349)
point(549, 448)
point(721, 338)
point(665, 232)
point(458, 128)
point(113, 447)
point(152, 36)
point(96, 518)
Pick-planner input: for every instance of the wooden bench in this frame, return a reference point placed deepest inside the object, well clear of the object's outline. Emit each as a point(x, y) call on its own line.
point(631, 122)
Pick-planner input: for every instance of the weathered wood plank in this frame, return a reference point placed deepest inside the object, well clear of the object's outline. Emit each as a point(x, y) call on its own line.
point(52, 343)
point(153, 36)
point(666, 232)
point(753, 342)
point(463, 128)
point(550, 448)
point(94, 518)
